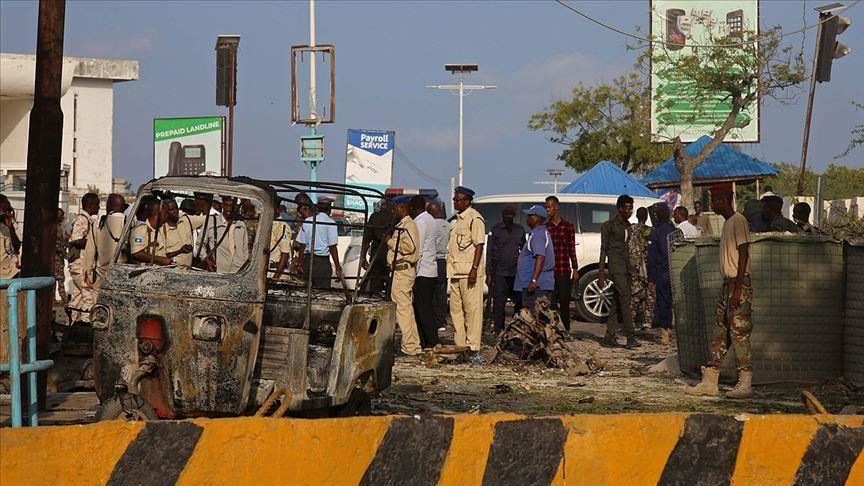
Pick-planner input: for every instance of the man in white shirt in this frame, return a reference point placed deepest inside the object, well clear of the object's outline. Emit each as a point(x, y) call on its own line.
point(680, 215)
point(323, 248)
point(427, 272)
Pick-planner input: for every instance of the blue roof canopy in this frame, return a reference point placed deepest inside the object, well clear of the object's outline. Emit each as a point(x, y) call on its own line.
point(607, 178)
point(724, 164)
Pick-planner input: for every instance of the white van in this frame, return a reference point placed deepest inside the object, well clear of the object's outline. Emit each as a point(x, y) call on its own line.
point(587, 212)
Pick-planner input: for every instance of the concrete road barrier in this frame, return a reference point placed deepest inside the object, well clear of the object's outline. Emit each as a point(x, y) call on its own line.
point(448, 450)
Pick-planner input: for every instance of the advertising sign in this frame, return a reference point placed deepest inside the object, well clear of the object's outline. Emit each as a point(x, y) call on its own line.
point(682, 24)
point(369, 162)
point(188, 146)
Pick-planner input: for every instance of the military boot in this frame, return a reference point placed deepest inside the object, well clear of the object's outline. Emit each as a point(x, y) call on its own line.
point(708, 387)
point(743, 389)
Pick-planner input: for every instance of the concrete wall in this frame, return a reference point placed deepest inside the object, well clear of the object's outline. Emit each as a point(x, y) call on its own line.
point(495, 449)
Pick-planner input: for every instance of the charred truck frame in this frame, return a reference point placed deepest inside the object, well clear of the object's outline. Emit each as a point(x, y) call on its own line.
point(175, 341)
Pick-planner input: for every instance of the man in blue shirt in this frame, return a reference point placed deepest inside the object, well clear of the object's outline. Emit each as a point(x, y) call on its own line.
point(535, 276)
point(323, 248)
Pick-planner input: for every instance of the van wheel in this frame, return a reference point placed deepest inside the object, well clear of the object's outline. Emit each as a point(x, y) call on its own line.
point(593, 302)
point(128, 407)
point(359, 404)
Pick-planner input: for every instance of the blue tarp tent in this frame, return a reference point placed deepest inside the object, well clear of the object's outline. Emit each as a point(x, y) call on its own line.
point(607, 178)
point(725, 164)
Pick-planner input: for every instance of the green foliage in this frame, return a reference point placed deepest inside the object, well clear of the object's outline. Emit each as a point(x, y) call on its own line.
point(838, 182)
point(732, 76)
point(857, 135)
point(604, 122)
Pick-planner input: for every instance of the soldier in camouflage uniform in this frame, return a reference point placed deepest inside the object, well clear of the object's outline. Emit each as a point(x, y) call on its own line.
point(60, 257)
point(642, 300)
point(733, 325)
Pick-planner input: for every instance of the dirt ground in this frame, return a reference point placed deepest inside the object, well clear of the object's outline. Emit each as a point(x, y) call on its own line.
point(626, 385)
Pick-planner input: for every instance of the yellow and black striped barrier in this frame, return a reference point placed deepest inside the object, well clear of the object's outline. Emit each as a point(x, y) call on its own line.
point(461, 449)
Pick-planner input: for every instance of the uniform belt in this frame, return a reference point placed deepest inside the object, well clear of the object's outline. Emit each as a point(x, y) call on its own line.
point(402, 266)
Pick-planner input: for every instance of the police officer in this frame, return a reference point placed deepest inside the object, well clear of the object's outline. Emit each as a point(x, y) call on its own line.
point(404, 245)
point(177, 237)
point(280, 243)
point(613, 245)
point(84, 258)
point(466, 270)
point(109, 232)
point(145, 244)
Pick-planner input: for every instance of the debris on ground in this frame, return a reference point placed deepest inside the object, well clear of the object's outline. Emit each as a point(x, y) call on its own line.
point(539, 336)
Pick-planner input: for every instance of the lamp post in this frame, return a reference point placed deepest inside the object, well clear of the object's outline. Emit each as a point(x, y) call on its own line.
point(461, 70)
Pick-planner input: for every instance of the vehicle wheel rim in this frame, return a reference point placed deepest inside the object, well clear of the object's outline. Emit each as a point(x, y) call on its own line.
point(596, 300)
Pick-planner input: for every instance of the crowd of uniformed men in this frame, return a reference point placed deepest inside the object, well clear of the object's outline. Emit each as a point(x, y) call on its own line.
point(431, 257)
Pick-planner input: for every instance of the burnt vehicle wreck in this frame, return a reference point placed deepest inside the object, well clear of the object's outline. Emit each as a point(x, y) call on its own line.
point(209, 339)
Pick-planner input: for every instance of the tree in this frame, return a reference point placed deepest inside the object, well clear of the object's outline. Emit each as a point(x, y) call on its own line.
point(857, 135)
point(738, 71)
point(604, 122)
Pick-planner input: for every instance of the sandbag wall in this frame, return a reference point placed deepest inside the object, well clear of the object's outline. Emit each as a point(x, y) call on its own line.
point(853, 336)
point(798, 308)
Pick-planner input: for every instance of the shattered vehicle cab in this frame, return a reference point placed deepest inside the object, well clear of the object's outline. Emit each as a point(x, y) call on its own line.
point(218, 336)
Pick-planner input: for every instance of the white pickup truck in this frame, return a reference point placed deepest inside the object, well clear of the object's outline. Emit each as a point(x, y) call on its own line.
point(587, 212)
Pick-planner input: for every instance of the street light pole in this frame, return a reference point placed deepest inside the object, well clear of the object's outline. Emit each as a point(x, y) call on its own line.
point(461, 117)
point(313, 88)
point(462, 89)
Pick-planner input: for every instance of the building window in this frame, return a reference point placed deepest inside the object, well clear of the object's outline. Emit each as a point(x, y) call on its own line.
point(19, 182)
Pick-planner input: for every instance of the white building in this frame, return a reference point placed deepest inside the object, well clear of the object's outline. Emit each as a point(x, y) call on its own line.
point(88, 125)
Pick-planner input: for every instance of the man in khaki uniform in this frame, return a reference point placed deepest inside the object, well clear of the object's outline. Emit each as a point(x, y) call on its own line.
point(403, 260)
point(226, 240)
point(177, 236)
point(84, 258)
point(146, 245)
point(466, 270)
point(108, 234)
point(280, 244)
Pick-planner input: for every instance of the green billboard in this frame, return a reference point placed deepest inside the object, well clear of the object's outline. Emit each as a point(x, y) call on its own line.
point(188, 146)
point(683, 26)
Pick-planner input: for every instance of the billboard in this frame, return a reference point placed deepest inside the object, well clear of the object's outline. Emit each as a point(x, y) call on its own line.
point(369, 162)
point(682, 24)
point(188, 146)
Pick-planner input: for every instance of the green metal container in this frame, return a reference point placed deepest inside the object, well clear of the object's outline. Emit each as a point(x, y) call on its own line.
point(798, 305)
point(687, 302)
point(853, 336)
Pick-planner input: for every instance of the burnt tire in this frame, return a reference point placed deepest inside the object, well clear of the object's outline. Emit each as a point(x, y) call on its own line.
point(592, 302)
point(131, 408)
point(359, 404)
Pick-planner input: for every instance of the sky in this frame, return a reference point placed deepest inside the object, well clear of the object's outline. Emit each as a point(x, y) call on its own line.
point(386, 53)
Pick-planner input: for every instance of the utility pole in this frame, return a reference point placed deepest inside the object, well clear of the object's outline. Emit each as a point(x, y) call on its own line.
point(555, 173)
point(313, 90)
point(461, 70)
point(44, 147)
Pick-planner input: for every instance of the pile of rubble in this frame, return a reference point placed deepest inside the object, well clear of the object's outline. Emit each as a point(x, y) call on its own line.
point(539, 336)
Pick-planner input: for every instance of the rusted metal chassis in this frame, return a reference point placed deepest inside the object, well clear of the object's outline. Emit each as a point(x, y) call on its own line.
point(182, 375)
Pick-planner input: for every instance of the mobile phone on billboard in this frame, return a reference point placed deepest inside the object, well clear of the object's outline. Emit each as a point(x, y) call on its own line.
point(735, 23)
point(675, 38)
